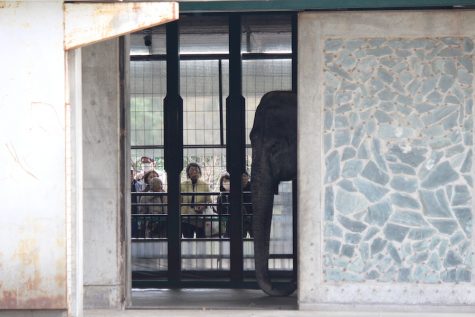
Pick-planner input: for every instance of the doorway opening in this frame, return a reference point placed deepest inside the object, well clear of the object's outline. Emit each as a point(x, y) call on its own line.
point(163, 255)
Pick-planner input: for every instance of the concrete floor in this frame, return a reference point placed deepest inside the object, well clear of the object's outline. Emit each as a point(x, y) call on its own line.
point(247, 303)
point(259, 313)
point(210, 299)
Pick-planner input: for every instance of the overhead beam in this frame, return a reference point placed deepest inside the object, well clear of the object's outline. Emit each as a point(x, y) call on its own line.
point(302, 5)
point(87, 23)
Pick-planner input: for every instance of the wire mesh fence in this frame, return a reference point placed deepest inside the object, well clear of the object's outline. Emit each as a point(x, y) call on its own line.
point(203, 87)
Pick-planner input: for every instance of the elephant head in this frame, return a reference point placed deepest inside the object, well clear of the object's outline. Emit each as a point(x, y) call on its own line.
point(274, 159)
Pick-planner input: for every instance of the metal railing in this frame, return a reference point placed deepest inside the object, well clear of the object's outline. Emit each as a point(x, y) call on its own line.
point(149, 252)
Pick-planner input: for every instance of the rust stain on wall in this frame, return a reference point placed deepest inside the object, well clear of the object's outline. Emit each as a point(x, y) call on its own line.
point(101, 10)
point(60, 276)
point(34, 288)
point(27, 252)
point(46, 302)
point(9, 4)
point(10, 300)
point(34, 282)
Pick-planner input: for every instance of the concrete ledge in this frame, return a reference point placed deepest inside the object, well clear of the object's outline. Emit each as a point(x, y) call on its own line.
point(33, 313)
point(259, 313)
point(98, 297)
point(390, 310)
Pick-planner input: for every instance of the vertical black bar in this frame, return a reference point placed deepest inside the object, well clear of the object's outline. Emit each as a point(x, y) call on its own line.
point(235, 145)
point(173, 147)
point(221, 126)
point(294, 182)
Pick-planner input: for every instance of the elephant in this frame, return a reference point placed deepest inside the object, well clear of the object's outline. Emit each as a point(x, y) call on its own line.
point(274, 159)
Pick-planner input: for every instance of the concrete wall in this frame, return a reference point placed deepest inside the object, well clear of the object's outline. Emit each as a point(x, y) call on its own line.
point(391, 95)
point(103, 258)
point(33, 157)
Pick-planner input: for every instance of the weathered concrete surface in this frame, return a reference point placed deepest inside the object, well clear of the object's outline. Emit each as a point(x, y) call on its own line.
point(314, 29)
point(103, 279)
point(261, 313)
point(87, 23)
point(32, 156)
point(33, 313)
point(74, 185)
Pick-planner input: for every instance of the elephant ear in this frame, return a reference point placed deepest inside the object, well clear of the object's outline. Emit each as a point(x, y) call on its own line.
point(274, 133)
point(258, 128)
point(280, 140)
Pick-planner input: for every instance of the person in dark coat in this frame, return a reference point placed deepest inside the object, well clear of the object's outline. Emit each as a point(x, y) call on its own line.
point(223, 201)
point(246, 206)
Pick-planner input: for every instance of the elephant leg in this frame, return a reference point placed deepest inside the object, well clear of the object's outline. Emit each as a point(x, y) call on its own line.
point(262, 200)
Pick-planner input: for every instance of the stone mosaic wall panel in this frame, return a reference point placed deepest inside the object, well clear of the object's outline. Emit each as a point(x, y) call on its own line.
point(398, 133)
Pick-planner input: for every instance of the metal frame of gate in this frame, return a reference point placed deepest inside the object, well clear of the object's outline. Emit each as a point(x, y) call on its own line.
point(236, 277)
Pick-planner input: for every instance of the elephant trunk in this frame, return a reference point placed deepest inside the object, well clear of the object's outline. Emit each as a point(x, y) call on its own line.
point(262, 201)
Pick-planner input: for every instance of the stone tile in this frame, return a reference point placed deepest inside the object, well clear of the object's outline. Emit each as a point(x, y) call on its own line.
point(349, 202)
point(405, 201)
point(404, 184)
point(347, 250)
point(444, 226)
point(373, 173)
point(347, 185)
point(348, 153)
point(332, 246)
point(378, 213)
point(398, 168)
point(452, 259)
point(464, 217)
point(403, 137)
point(352, 168)
point(421, 233)
point(462, 196)
point(370, 233)
point(434, 262)
point(377, 246)
point(435, 204)
point(352, 238)
point(371, 191)
point(395, 232)
point(408, 218)
point(332, 164)
point(329, 204)
point(331, 230)
point(393, 252)
point(352, 225)
point(405, 275)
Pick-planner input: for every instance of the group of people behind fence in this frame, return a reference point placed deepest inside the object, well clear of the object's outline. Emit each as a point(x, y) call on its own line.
point(151, 201)
point(200, 217)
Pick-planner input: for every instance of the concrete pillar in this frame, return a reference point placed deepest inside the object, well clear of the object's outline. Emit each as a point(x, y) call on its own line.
point(103, 275)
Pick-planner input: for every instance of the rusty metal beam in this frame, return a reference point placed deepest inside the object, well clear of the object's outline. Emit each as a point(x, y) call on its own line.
point(87, 23)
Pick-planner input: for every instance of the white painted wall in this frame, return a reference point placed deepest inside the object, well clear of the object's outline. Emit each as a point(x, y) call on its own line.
point(32, 156)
